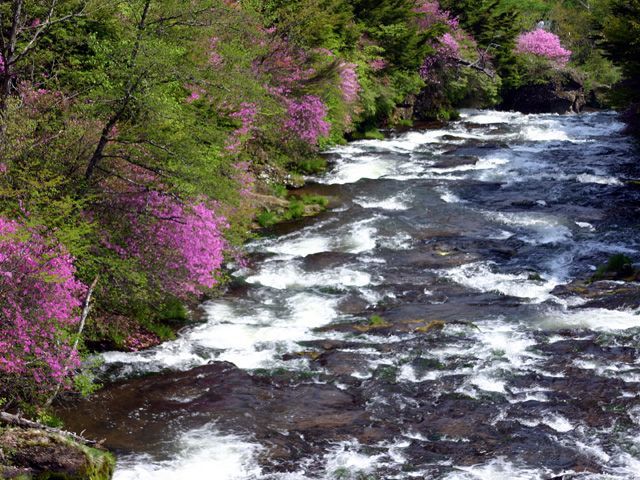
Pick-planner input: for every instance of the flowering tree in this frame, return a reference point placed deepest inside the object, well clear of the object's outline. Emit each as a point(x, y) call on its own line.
point(306, 119)
point(447, 54)
point(349, 84)
point(39, 301)
point(543, 44)
point(246, 115)
point(179, 246)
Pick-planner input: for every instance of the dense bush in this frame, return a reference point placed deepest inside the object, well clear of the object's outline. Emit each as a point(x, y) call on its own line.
point(543, 44)
point(39, 302)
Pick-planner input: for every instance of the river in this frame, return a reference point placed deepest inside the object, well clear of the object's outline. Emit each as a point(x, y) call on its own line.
point(476, 226)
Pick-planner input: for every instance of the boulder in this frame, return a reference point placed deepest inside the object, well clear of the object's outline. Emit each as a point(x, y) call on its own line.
point(31, 453)
point(562, 94)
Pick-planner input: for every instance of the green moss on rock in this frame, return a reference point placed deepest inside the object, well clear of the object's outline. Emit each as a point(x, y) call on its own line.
point(40, 455)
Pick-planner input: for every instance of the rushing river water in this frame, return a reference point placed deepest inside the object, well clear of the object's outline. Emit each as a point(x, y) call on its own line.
point(477, 224)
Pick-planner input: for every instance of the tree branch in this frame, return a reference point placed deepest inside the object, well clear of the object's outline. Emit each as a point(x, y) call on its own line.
point(86, 308)
point(18, 421)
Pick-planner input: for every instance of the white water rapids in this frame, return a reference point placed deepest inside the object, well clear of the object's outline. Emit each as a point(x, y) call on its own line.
point(535, 188)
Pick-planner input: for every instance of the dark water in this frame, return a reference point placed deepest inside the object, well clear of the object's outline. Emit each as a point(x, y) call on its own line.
point(477, 225)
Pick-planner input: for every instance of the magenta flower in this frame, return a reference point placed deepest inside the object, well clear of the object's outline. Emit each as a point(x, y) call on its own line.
point(349, 82)
point(543, 44)
point(179, 246)
point(40, 302)
point(306, 119)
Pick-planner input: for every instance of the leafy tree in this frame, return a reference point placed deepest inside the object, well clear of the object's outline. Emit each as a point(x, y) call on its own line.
point(495, 26)
point(621, 32)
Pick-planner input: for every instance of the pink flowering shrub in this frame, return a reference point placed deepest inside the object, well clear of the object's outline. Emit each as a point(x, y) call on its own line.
point(543, 44)
point(429, 14)
point(39, 305)
point(247, 116)
point(378, 64)
point(245, 178)
point(446, 55)
point(140, 341)
point(349, 84)
point(215, 58)
point(447, 46)
point(197, 93)
point(306, 119)
point(179, 247)
point(285, 68)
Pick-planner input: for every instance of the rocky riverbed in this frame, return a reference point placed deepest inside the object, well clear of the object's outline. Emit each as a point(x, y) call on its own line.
point(440, 321)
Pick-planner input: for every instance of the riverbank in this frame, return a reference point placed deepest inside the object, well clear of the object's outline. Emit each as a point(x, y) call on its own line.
point(29, 450)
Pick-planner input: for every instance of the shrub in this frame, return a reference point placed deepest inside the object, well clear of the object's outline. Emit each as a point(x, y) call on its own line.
point(544, 44)
point(39, 303)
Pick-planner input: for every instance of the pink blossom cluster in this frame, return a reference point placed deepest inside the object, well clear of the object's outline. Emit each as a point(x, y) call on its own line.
point(245, 178)
point(37, 97)
point(285, 68)
point(140, 341)
point(324, 51)
point(306, 119)
point(39, 301)
point(246, 115)
point(543, 44)
point(215, 58)
point(181, 247)
point(430, 14)
point(378, 64)
point(447, 53)
point(196, 93)
point(349, 84)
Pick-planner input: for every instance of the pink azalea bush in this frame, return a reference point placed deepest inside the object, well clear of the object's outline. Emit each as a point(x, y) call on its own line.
point(543, 44)
point(447, 46)
point(446, 54)
point(215, 58)
point(179, 247)
point(40, 300)
point(349, 84)
point(246, 114)
point(429, 13)
point(306, 119)
point(378, 64)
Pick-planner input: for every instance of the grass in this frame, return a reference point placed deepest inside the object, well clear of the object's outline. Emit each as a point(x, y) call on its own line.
point(618, 265)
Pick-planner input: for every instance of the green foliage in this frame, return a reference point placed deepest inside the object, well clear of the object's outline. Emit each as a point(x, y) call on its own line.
point(315, 200)
point(296, 209)
point(310, 166)
point(494, 24)
point(621, 33)
point(618, 266)
point(377, 321)
point(311, 23)
point(49, 419)
point(267, 218)
point(174, 310)
point(279, 190)
point(164, 332)
point(370, 134)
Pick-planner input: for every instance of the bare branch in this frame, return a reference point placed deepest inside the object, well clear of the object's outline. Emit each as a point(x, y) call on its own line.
point(86, 308)
point(18, 421)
